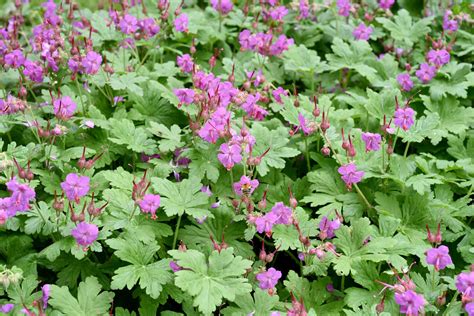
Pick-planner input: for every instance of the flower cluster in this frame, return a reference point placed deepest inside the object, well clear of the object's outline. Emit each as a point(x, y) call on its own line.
point(264, 43)
point(19, 200)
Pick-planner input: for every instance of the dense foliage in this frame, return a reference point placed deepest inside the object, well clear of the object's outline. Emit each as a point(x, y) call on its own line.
point(236, 157)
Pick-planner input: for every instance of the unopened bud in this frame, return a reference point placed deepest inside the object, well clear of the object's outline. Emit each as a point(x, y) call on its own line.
point(325, 151)
point(262, 255)
point(269, 258)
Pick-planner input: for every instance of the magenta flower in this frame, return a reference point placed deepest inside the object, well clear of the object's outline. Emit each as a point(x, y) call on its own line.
point(386, 4)
point(181, 23)
point(185, 96)
point(15, 59)
point(362, 32)
point(410, 302)
point(327, 227)
point(405, 81)
point(469, 309)
point(303, 125)
point(449, 25)
point(64, 108)
point(372, 141)
point(175, 267)
point(439, 257)
point(129, 24)
point(344, 7)
point(149, 27)
point(91, 63)
point(21, 196)
point(277, 93)
point(245, 182)
point(303, 9)
point(404, 118)
point(278, 13)
point(85, 234)
point(426, 72)
point(222, 6)
point(350, 174)
point(6, 308)
point(45, 297)
point(283, 213)
point(185, 63)
point(33, 71)
point(465, 284)
point(209, 132)
point(229, 155)
point(438, 57)
point(265, 223)
point(268, 279)
point(149, 204)
point(75, 186)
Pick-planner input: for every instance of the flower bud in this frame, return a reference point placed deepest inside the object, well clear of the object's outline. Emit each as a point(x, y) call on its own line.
point(269, 257)
point(262, 255)
point(325, 151)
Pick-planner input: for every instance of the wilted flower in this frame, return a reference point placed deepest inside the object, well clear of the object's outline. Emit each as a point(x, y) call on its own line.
point(15, 59)
point(185, 96)
point(386, 4)
point(327, 227)
point(45, 297)
point(277, 93)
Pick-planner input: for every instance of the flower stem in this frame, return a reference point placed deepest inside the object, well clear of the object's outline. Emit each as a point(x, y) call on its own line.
point(308, 165)
point(343, 280)
point(361, 194)
point(406, 150)
point(176, 231)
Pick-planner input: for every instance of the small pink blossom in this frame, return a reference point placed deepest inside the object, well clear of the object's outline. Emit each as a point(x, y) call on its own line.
point(181, 23)
point(405, 81)
point(149, 204)
point(404, 118)
point(372, 141)
point(229, 155)
point(268, 279)
point(64, 108)
point(350, 174)
point(362, 32)
point(426, 72)
point(75, 186)
point(85, 233)
point(245, 181)
point(439, 257)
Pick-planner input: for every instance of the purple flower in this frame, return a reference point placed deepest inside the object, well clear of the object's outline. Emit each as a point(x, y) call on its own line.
point(85, 234)
point(448, 24)
point(181, 23)
point(149, 27)
point(246, 184)
point(426, 72)
point(21, 196)
point(362, 32)
point(91, 63)
point(149, 204)
point(229, 155)
point(129, 24)
point(386, 4)
point(33, 71)
point(6, 308)
point(410, 302)
point(15, 59)
point(64, 108)
point(303, 125)
point(185, 96)
point(344, 7)
point(45, 297)
point(405, 81)
point(372, 141)
point(206, 190)
point(75, 186)
point(304, 9)
point(277, 93)
point(222, 6)
point(439, 257)
point(327, 227)
point(268, 279)
point(265, 223)
point(280, 45)
point(282, 213)
point(438, 57)
point(278, 13)
point(404, 118)
point(185, 63)
point(469, 309)
point(350, 175)
point(465, 284)
point(175, 267)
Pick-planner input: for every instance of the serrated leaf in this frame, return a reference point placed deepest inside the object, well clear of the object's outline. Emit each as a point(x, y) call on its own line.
point(124, 132)
point(170, 137)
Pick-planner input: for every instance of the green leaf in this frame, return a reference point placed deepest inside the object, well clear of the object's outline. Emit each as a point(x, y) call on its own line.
point(276, 141)
point(202, 164)
point(181, 197)
point(124, 132)
point(129, 81)
point(298, 58)
point(88, 302)
point(422, 182)
point(171, 137)
point(261, 304)
point(210, 281)
point(456, 80)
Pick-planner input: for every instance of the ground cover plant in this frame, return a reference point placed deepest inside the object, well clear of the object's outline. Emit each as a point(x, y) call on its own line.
point(236, 157)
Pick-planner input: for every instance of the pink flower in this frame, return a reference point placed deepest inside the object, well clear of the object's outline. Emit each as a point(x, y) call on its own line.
point(181, 23)
point(245, 182)
point(438, 57)
point(386, 4)
point(344, 7)
point(278, 13)
point(85, 233)
point(15, 59)
point(277, 93)
point(265, 223)
point(149, 204)
point(45, 297)
point(282, 213)
point(372, 141)
point(75, 186)
point(91, 63)
point(362, 32)
point(6, 308)
point(185, 96)
point(149, 27)
point(33, 71)
point(222, 6)
point(64, 108)
point(410, 302)
point(448, 24)
point(439, 257)
point(185, 63)
point(307, 130)
point(129, 24)
point(268, 279)
point(465, 284)
point(327, 227)
point(405, 81)
point(229, 155)
point(426, 72)
point(350, 174)
point(404, 118)
point(21, 196)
